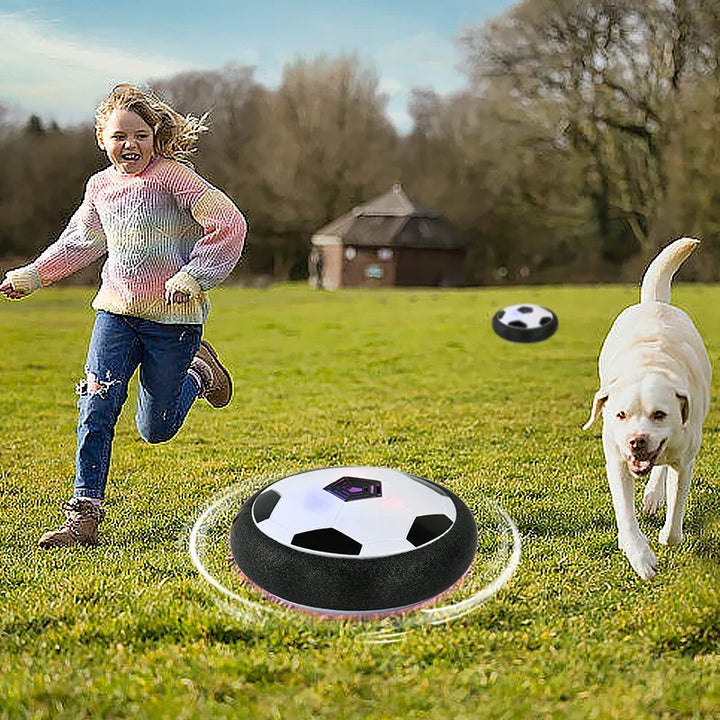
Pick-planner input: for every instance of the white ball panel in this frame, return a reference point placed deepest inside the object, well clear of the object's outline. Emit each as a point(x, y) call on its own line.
point(305, 507)
point(534, 319)
point(276, 531)
point(448, 508)
point(379, 524)
point(372, 520)
point(392, 515)
point(391, 546)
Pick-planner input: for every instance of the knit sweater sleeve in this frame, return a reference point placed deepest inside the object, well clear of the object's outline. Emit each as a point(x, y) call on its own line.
point(217, 252)
point(82, 242)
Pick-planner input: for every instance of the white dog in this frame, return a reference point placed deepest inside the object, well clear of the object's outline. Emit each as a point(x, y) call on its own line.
point(654, 395)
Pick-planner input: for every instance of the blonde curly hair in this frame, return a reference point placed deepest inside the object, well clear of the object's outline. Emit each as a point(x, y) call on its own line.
point(175, 136)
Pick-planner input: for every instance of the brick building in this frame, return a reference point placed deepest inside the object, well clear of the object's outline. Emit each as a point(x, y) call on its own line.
point(389, 241)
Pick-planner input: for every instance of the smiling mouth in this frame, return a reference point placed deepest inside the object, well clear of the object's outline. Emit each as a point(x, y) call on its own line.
point(130, 157)
point(641, 463)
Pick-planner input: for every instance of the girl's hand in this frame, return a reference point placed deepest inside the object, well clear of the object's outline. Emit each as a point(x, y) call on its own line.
point(7, 289)
point(176, 297)
point(181, 288)
point(19, 283)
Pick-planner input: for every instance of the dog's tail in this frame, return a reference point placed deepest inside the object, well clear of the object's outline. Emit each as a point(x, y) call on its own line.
point(657, 279)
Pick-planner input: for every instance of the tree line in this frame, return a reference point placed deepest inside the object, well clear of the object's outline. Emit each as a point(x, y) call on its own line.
point(587, 137)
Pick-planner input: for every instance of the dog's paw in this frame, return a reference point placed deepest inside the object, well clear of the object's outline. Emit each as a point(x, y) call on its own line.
point(670, 537)
point(654, 495)
point(653, 499)
point(643, 562)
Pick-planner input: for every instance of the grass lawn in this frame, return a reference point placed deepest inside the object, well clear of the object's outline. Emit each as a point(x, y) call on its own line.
point(414, 380)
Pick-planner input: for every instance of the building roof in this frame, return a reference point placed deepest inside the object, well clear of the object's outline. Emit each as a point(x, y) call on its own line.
point(393, 220)
point(397, 204)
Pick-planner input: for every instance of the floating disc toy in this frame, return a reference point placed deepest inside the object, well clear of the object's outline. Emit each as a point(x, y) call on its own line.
point(354, 540)
point(525, 323)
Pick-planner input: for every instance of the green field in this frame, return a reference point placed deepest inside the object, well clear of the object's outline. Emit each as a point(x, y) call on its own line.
point(409, 379)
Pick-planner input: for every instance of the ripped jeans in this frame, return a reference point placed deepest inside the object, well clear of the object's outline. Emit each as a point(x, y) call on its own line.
point(120, 343)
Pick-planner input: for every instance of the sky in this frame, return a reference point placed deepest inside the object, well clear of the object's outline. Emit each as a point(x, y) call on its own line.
point(60, 57)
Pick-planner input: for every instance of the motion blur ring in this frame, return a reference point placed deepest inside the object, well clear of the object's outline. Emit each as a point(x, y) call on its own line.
point(495, 562)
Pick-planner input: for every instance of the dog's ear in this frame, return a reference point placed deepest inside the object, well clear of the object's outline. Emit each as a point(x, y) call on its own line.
point(684, 405)
point(599, 400)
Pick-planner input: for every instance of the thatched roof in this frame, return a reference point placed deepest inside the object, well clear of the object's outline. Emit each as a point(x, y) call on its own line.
point(393, 220)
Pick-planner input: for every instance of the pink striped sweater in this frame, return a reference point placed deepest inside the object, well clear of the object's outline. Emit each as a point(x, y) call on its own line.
point(151, 225)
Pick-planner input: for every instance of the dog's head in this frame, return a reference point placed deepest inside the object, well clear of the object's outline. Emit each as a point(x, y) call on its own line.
point(641, 416)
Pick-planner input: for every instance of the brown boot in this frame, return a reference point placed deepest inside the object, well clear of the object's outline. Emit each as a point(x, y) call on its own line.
point(215, 381)
point(80, 526)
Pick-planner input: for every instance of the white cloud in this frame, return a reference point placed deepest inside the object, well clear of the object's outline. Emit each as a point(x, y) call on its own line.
point(62, 77)
point(391, 86)
point(400, 117)
point(422, 60)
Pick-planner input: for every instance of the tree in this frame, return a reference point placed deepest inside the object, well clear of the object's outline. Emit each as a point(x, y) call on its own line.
point(225, 97)
point(295, 158)
point(34, 126)
point(501, 177)
point(326, 146)
point(42, 179)
point(612, 75)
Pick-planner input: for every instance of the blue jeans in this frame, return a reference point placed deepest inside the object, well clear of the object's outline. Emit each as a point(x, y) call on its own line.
point(120, 343)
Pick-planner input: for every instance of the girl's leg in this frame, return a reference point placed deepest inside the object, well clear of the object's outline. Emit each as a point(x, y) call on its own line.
point(113, 355)
point(166, 391)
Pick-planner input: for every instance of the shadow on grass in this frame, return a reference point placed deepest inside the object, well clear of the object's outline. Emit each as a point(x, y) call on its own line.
point(694, 637)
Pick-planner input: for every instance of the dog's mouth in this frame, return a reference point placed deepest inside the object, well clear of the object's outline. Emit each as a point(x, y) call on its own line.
point(641, 462)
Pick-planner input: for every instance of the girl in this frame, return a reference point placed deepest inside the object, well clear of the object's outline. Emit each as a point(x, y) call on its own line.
point(169, 237)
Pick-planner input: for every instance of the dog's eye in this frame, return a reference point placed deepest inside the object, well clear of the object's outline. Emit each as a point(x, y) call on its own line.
point(659, 415)
point(622, 415)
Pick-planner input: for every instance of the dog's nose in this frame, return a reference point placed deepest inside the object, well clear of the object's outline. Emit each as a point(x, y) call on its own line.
point(638, 442)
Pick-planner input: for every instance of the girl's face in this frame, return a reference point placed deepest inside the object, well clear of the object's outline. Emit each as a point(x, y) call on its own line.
point(128, 141)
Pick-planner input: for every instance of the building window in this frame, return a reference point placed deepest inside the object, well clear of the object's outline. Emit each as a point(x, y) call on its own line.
point(374, 272)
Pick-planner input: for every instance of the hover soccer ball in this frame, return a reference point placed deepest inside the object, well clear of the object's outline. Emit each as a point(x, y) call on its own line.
point(354, 540)
point(525, 323)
